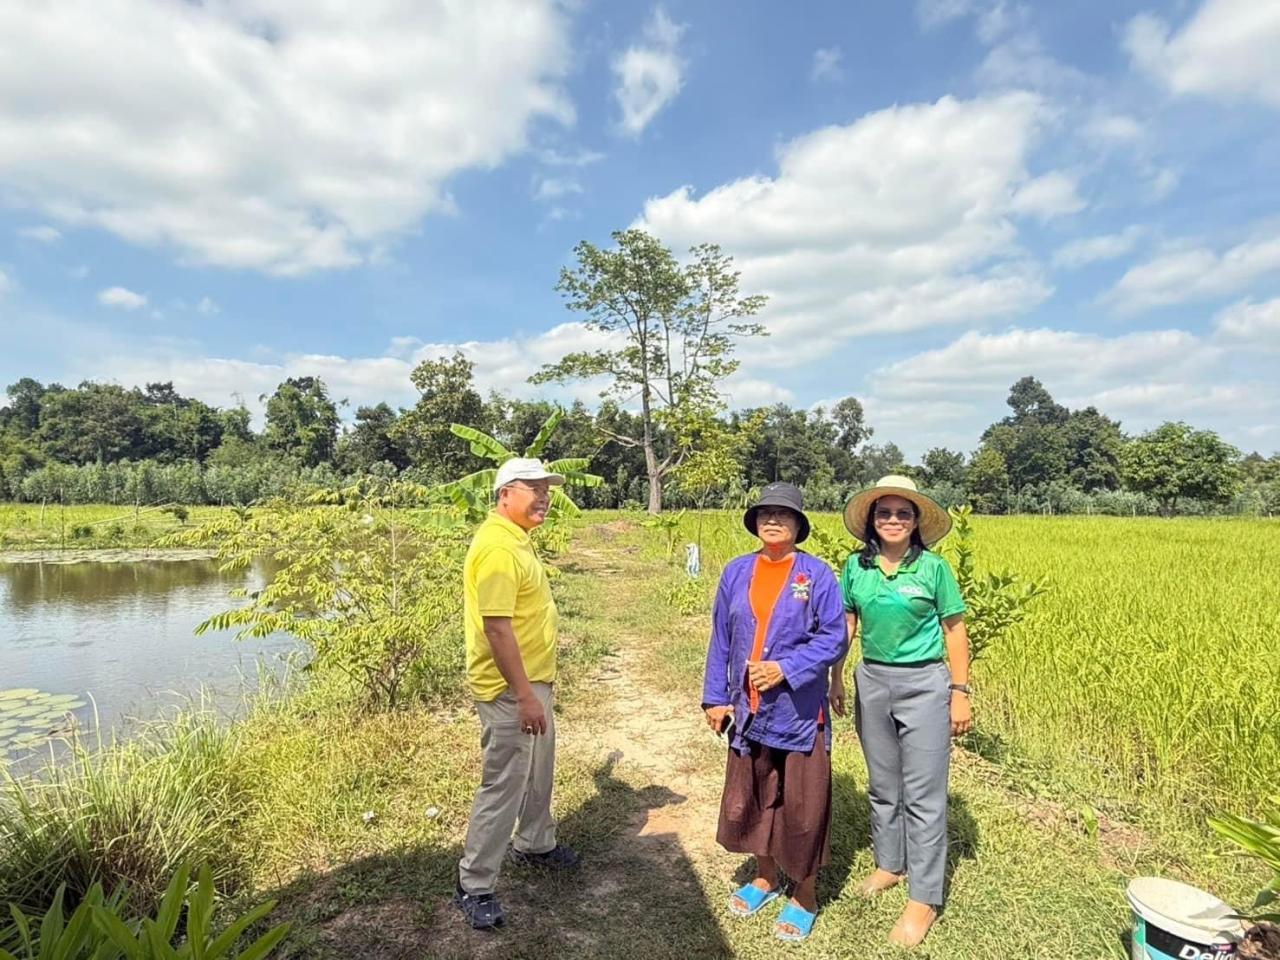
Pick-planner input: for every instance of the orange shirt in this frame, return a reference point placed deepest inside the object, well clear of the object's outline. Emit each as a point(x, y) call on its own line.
point(768, 580)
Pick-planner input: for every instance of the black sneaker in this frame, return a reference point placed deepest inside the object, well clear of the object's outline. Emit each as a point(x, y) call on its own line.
point(482, 910)
point(558, 857)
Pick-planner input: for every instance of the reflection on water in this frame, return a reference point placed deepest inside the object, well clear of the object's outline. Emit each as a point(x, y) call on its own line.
point(123, 632)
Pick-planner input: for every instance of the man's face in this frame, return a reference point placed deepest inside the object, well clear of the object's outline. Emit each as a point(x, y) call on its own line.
point(526, 501)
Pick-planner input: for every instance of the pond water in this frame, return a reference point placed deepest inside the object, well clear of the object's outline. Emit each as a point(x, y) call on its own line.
point(118, 637)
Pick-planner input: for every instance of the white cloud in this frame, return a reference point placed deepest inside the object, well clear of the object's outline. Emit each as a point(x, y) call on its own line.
point(1194, 273)
point(121, 298)
point(1087, 250)
point(826, 65)
point(1227, 49)
point(649, 75)
point(933, 13)
point(1052, 195)
point(207, 307)
point(949, 395)
point(5, 283)
point(903, 220)
point(1021, 62)
point(1106, 129)
point(41, 234)
point(555, 188)
point(1257, 324)
point(502, 365)
point(574, 158)
point(284, 137)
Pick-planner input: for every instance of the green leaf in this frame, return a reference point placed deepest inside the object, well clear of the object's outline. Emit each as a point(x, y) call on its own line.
point(482, 445)
point(544, 434)
point(265, 944)
point(171, 906)
point(119, 934)
point(227, 939)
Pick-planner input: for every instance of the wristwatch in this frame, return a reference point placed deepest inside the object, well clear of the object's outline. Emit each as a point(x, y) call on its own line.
point(962, 688)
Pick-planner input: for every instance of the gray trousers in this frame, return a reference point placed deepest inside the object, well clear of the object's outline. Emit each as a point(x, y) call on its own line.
point(903, 717)
point(515, 790)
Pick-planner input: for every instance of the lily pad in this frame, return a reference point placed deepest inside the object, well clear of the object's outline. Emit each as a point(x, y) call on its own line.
point(20, 693)
point(28, 739)
point(59, 698)
point(8, 705)
point(27, 712)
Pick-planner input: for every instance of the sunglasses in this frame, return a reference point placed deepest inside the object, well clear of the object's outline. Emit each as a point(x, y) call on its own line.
point(904, 515)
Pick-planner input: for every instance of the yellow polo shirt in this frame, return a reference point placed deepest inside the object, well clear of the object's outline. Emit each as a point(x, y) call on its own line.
point(503, 577)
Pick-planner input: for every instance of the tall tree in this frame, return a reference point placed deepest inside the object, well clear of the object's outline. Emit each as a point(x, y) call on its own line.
point(1174, 462)
point(371, 440)
point(23, 411)
point(302, 421)
point(1094, 445)
point(446, 394)
point(95, 421)
point(941, 465)
point(175, 427)
point(851, 425)
point(988, 481)
point(1031, 402)
point(678, 328)
point(877, 460)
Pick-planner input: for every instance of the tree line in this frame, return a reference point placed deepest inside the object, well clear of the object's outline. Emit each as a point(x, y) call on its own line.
point(104, 443)
point(661, 436)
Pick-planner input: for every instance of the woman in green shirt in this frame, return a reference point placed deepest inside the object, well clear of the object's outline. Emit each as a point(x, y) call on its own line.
point(909, 702)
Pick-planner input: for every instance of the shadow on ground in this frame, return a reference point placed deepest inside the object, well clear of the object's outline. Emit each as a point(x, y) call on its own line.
point(635, 895)
point(851, 834)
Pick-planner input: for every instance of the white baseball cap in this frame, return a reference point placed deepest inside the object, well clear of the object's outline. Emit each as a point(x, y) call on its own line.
point(524, 468)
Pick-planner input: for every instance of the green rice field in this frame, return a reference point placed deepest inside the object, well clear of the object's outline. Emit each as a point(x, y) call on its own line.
point(1148, 675)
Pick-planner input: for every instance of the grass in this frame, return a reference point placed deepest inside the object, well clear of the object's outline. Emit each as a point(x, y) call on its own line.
point(28, 526)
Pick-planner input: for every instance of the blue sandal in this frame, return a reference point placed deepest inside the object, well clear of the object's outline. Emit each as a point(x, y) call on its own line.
point(797, 917)
point(753, 897)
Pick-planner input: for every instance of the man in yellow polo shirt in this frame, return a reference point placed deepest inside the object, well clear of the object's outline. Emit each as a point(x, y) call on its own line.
point(511, 669)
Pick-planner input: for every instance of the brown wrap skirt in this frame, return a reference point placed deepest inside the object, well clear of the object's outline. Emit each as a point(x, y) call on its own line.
point(777, 803)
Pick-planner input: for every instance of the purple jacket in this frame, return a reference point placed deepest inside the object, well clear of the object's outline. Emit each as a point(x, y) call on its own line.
point(806, 636)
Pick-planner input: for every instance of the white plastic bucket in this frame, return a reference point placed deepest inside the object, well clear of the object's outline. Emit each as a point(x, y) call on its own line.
point(1172, 921)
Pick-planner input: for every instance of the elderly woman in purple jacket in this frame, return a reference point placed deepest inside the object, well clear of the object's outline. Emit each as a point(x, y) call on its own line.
point(777, 627)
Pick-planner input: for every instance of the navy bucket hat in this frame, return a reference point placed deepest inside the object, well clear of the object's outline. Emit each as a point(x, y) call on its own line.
point(779, 495)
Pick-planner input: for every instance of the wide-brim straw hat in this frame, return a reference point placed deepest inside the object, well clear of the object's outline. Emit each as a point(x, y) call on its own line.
point(932, 520)
point(780, 494)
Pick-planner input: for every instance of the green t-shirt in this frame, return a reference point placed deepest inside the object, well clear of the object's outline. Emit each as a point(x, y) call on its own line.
point(901, 615)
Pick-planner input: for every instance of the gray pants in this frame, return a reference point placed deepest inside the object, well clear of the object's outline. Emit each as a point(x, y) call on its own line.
point(904, 722)
point(515, 790)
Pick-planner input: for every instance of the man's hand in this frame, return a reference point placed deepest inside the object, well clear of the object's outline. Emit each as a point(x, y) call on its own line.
point(716, 717)
point(836, 695)
point(533, 719)
point(764, 674)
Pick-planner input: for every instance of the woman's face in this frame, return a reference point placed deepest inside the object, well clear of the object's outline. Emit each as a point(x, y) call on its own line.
point(777, 526)
point(894, 518)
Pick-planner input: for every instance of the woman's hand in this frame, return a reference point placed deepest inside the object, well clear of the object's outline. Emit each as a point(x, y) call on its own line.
point(716, 717)
point(764, 674)
point(836, 695)
point(961, 714)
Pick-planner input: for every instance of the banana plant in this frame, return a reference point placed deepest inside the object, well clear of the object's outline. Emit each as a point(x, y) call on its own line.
point(1260, 839)
point(474, 492)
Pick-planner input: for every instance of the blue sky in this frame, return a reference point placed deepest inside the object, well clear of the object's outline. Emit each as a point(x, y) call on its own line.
point(938, 197)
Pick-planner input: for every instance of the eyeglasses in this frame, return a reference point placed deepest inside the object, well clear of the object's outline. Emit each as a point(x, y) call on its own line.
point(904, 515)
point(540, 489)
point(772, 513)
